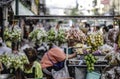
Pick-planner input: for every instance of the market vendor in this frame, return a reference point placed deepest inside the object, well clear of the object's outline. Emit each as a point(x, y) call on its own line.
point(117, 42)
point(57, 27)
point(33, 69)
point(105, 35)
point(112, 34)
point(53, 55)
point(84, 26)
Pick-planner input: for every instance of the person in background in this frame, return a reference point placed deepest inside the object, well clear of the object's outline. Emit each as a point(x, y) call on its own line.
point(84, 26)
point(1, 32)
point(47, 25)
point(105, 35)
point(3, 48)
point(92, 29)
point(53, 55)
point(57, 27)
point(95, 28)
point(110, 26)
point(24, 44)
point(26, 31)
point(39, 26)
point(33, 69)
point(112, 34)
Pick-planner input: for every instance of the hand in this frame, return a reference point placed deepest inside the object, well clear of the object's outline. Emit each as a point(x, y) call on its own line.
point(46, 71)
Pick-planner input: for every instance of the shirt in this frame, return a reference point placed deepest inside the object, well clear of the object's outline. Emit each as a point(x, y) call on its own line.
point(105, 36)
point(5, 49)
point(55, 54)
point(112, 35)
point(38, 70)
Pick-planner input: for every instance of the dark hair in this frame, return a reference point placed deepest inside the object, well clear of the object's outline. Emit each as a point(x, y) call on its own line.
point(106, 29)
point(31, 53)
point(97, 27)
point(110, 26)
point(0, 44)
point(60, 22)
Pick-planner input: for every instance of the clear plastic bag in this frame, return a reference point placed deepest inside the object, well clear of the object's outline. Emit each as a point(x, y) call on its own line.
point(61, 74)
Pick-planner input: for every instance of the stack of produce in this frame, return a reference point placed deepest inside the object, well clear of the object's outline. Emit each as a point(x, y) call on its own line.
point(90, 61)
point(95, 40)
point(14, 60)
point(39, 36)
point(81, 48)
point(51, 36)
point(56, 37)
point(61, 38)
point(14, 35)
point(75, 35)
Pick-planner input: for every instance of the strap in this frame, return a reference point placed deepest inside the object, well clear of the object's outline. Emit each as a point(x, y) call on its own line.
point(49, 56)
point(50, 59)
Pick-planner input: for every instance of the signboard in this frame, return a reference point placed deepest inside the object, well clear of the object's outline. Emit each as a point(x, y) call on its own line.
point(105, 2)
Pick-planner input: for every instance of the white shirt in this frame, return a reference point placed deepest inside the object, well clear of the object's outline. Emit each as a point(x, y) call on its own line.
point(5, 49)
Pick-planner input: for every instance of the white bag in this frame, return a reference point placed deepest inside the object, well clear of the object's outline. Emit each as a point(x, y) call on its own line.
point(61, 74)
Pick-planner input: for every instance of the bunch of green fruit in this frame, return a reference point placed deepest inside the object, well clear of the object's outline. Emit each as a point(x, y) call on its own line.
point(14, 61)
point(51, 35)
point(90, 61)
point(33, 35)
point(5, 59)
point(14, 35)
point(95, 40)
point(6, 34)
point(38, 36)
point(61, 38)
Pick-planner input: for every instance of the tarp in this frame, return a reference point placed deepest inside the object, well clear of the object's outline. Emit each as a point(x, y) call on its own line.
point(22, 9)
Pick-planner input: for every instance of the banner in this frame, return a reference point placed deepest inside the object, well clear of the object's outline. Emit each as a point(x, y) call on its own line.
point(105, 2)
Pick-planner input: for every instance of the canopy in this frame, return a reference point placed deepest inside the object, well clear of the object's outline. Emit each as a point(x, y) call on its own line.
point(22, 9)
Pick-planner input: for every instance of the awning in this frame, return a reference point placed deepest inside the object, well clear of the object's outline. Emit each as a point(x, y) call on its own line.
point(22, 9)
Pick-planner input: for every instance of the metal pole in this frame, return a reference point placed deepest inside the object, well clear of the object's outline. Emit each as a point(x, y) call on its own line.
point(17, 7)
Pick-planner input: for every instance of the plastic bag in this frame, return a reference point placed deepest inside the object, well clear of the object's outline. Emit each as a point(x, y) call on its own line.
point(103, 76)
point(80, 73)
point(93, 75)
point(105, 48)
point(63, 73)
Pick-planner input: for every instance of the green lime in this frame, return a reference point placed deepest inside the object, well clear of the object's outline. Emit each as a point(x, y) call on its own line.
point(86, 57)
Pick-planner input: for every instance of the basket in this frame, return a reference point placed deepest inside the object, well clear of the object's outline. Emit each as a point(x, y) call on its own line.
point(93, 75)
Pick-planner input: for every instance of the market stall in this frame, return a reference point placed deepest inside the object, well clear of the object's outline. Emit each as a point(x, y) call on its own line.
point(93, 54)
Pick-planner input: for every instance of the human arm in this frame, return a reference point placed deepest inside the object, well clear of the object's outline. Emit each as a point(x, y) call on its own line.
point(46, 71)
point(72, 55)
